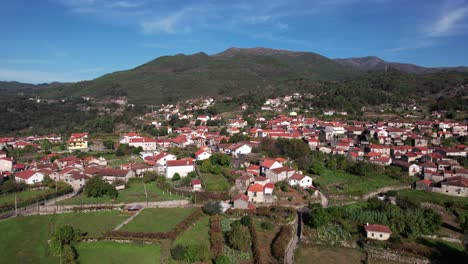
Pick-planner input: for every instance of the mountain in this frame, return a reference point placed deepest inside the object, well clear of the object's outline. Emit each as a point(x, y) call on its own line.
point(371, 63)
point(232, 72)
point(8, 89)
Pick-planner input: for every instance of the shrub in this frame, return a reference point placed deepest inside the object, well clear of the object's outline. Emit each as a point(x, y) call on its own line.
point(238, 237)
point(176, 177)
point(216, 236)
point(149, 176)
point(178, 252)
point(194, 253)
point(281, 242)
point(212, 207)
point(266, 225)
point(222, 260)
point(69, 254)
point(246, 220)
point(97, 187)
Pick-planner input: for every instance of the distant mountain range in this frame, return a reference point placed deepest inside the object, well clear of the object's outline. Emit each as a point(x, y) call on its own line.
point(372, 63)
point(232, 72)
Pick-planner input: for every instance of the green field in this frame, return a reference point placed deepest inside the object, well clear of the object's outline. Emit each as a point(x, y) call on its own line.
point(24, 239)
point(198, 234)
point(324, 255)
point(114, 253)
point(25, 195)
point(213, 183)
point(420, 196)
point(134, 193)
point(157, 219)
point(352, 184)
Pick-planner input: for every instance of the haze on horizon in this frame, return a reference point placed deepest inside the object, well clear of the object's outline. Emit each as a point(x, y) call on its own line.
point(72, 40)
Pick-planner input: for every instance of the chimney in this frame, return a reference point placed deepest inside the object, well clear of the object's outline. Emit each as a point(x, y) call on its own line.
point(367, 224)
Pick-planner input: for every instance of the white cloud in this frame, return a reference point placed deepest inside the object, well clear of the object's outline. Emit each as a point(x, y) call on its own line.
point(169, 24)
point(448, 23)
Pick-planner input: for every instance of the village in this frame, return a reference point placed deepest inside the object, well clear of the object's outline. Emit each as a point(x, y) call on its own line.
point(243, 161)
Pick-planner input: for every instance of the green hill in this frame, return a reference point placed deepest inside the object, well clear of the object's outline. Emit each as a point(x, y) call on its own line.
point(232, 72)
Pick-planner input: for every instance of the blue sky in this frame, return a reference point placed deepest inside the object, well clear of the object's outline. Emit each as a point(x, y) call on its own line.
point(72, 40)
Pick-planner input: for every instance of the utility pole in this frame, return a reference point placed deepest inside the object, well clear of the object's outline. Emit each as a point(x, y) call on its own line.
point(146, 194)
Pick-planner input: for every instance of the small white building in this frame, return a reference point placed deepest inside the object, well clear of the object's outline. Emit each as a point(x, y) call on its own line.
point(6, 164)
point(378, 232)
point(29, 177)
point(196, 185)
point(300, 180)
point(182, 167)
point(202, 154)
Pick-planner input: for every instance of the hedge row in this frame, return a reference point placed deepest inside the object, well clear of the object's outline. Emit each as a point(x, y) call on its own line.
point(216, 236)
point(201, 196)
point(175, 232)
point(259, 257)
point(37, 199)
point(276, 213)
point(281, 241)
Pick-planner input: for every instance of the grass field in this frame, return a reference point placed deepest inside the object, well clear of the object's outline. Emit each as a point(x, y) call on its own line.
point(420, 196)
point(115, 253)
point(157, 219)
point(134, 193)
point(323, 255)
point(198, 234)
point(10, 197)
point(352, 184)
point(213, 183)
point(24, 239)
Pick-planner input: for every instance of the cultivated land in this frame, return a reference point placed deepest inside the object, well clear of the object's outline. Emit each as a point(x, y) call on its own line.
point(113, 253)
point(323, 255)
point(135, 192)
point(420, 196)
point(213, 182)
point(157, 219)
point(339, 182)
point(9, 198)
point(198, 234)
point(24, 239)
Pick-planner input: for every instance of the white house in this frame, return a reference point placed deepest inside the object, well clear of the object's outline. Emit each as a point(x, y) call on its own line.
point(240, 149)
point(29, 177)
point(378, 232)
point(6, 164)
point(182, 167)
point(196, 185)
point(146, 144)
point(202, 154)
point(301, 180)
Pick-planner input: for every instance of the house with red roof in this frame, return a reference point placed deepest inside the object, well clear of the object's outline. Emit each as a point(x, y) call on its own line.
point(269, 164)
point(29, 177)
point(300, 180)
point(183, 167)
point(280, 174)
point(255, 192)
point(196, 185)
point(241, 201)
point(78, 141)
point(202, 154)
point(455, 186)
point(378, 232)
point(127, 137)
point(146, 143)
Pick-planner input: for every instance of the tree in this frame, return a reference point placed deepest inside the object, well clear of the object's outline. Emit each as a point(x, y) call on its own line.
point(212, 207)
point(205, 166)
point(318, 216)
point(45, 145)
point(62, 243)
point(109, 144)
point(97, 187)
point(69, 254)
point(178, 252)
point(176, 177)
point(149, 176)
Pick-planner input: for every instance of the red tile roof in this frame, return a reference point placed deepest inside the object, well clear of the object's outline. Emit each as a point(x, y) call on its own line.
point(255, 188)
point(241, 196)
point(175, 163)
point(378, 228)
point(25, 174)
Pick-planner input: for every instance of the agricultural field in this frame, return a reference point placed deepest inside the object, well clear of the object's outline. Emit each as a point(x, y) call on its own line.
point(419, 196)
point(214, 183)
point(9, 198)
point(24, 239)
point(114, 253)
point(157, 219)
point(324, 255)
point(197, 234)
point(343, 183)
point(135, 192)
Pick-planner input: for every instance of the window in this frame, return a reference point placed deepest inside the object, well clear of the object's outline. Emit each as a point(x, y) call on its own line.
point(372, 234)
point(380, 235)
